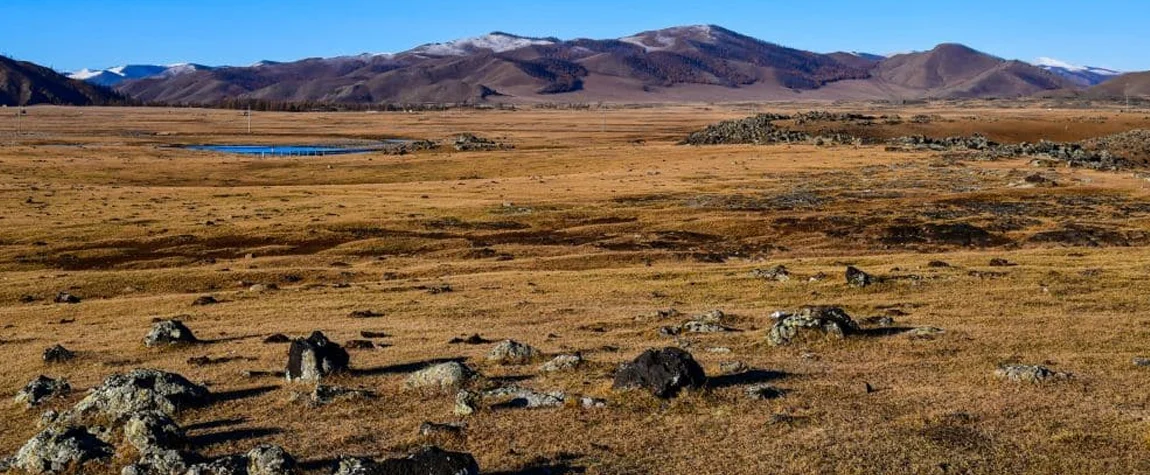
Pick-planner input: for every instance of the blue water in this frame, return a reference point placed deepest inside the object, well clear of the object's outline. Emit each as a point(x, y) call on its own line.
point(284, 150)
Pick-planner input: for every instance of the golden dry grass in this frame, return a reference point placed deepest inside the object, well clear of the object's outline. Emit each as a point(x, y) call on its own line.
point(601, 230)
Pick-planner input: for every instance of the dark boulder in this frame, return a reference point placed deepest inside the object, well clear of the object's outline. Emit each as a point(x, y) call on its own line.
point(858, 278)
point(204, 300)
point(65, 297)
point(43, 389)
point(312, 358)
point(662, 371)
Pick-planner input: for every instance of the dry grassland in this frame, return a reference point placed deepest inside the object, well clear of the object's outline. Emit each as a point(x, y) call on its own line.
point(570, 242)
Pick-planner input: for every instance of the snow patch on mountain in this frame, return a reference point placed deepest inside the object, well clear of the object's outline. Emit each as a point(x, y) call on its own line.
point(659, 40)
point(497, 42)
point(115, 75)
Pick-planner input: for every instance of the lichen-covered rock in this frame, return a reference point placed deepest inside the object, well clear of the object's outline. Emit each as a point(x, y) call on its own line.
point(159, 462)
point(425, 461)
point(42, 389)
point(511, 352)
point(229, 465)
point(443, 377)
point(763, 391)
point(268, 459)
point(664, 372)
point(857, 278)
point(314, 357)
point(57, 449)
point(153, 432)
point(1028, 373)
point(526, 398)
point(58, 354)
point(562, 363)
point(827, 322)
point(167, 333)
point(777, 273)
point(142, 390)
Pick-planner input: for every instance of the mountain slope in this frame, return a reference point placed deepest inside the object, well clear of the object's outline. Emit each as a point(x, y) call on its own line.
point(24, 83)
point(501, 63)
point(1132, 84)
point(957, 71)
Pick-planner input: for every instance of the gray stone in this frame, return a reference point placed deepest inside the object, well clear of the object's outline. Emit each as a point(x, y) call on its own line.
point(229, 465)
point(57, 449)
point(315, 357)
point(325, 394)
point(827, 322)
point(511, 352)
point(1142, 362)
point(43, 389)
point(664, 372)
point(425, 461)
point(592, 403)
point(527, 398)
point(925, 333)
point(167, 333)
point(443, 377)
point(141, 390)
point(268, 459)
point(777, 273)
point(562, 363)
point(159, 462)
point(764, 391)
point(1028, 373)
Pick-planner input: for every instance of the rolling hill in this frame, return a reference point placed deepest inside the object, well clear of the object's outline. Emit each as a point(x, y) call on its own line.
point(23, 83)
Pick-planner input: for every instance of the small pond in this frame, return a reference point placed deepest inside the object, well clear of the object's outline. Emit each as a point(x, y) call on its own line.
point(294, 150)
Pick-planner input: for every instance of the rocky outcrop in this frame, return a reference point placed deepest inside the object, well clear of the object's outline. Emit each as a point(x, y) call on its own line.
point(57, 449)
point(142, 390)
point(664, 372)
point(425, 461)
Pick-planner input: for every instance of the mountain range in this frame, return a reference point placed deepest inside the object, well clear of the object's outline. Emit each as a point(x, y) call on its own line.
point(686, 63)
point(23, 83)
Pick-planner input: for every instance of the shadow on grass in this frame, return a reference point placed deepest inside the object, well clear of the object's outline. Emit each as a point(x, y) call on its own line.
point(754, 376)
point(558, 465)
point(238, 394)
point(232, 436)
point(228, 338)
point(402, 367)
point(215, 424)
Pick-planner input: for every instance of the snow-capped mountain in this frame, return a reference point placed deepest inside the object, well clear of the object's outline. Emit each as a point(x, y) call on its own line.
point(112, 76)
point(498, 42)
point(1081, 75)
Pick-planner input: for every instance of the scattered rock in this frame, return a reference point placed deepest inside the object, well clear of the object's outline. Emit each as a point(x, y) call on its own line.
point(371, 334)
point(442, 377)
point(562, 363)
point(425, 461)
point(432, 429)
point(662, 371)
point(777, 273)
point(764, 391)
point(1000, 262)
point(925, 333)
point(1028, 373)
point(65, 297)
point(733, 367)
point(258, 288)
point(204, 300)
point(358, 345)
point(277, 338)
point(364, 314)
point(830, 322)
point(141, 390)
point(314, 357)
point(511, 352)
point(858, 278)
point(1142, 362)
point(325, 394)
point(474, 339)
point(58, 354)
point(592, 403)
point(43, 389)
point(162, 462)
point(938, 264)
point(55, 450)
point(268, 459)
point(526, 398)
point(169, 333)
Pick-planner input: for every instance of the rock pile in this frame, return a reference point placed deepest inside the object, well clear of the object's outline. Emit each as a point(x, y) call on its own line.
point(471, 143)
point(757, 130)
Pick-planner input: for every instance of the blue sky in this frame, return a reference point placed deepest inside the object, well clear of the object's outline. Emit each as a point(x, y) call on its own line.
point(72, 34)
